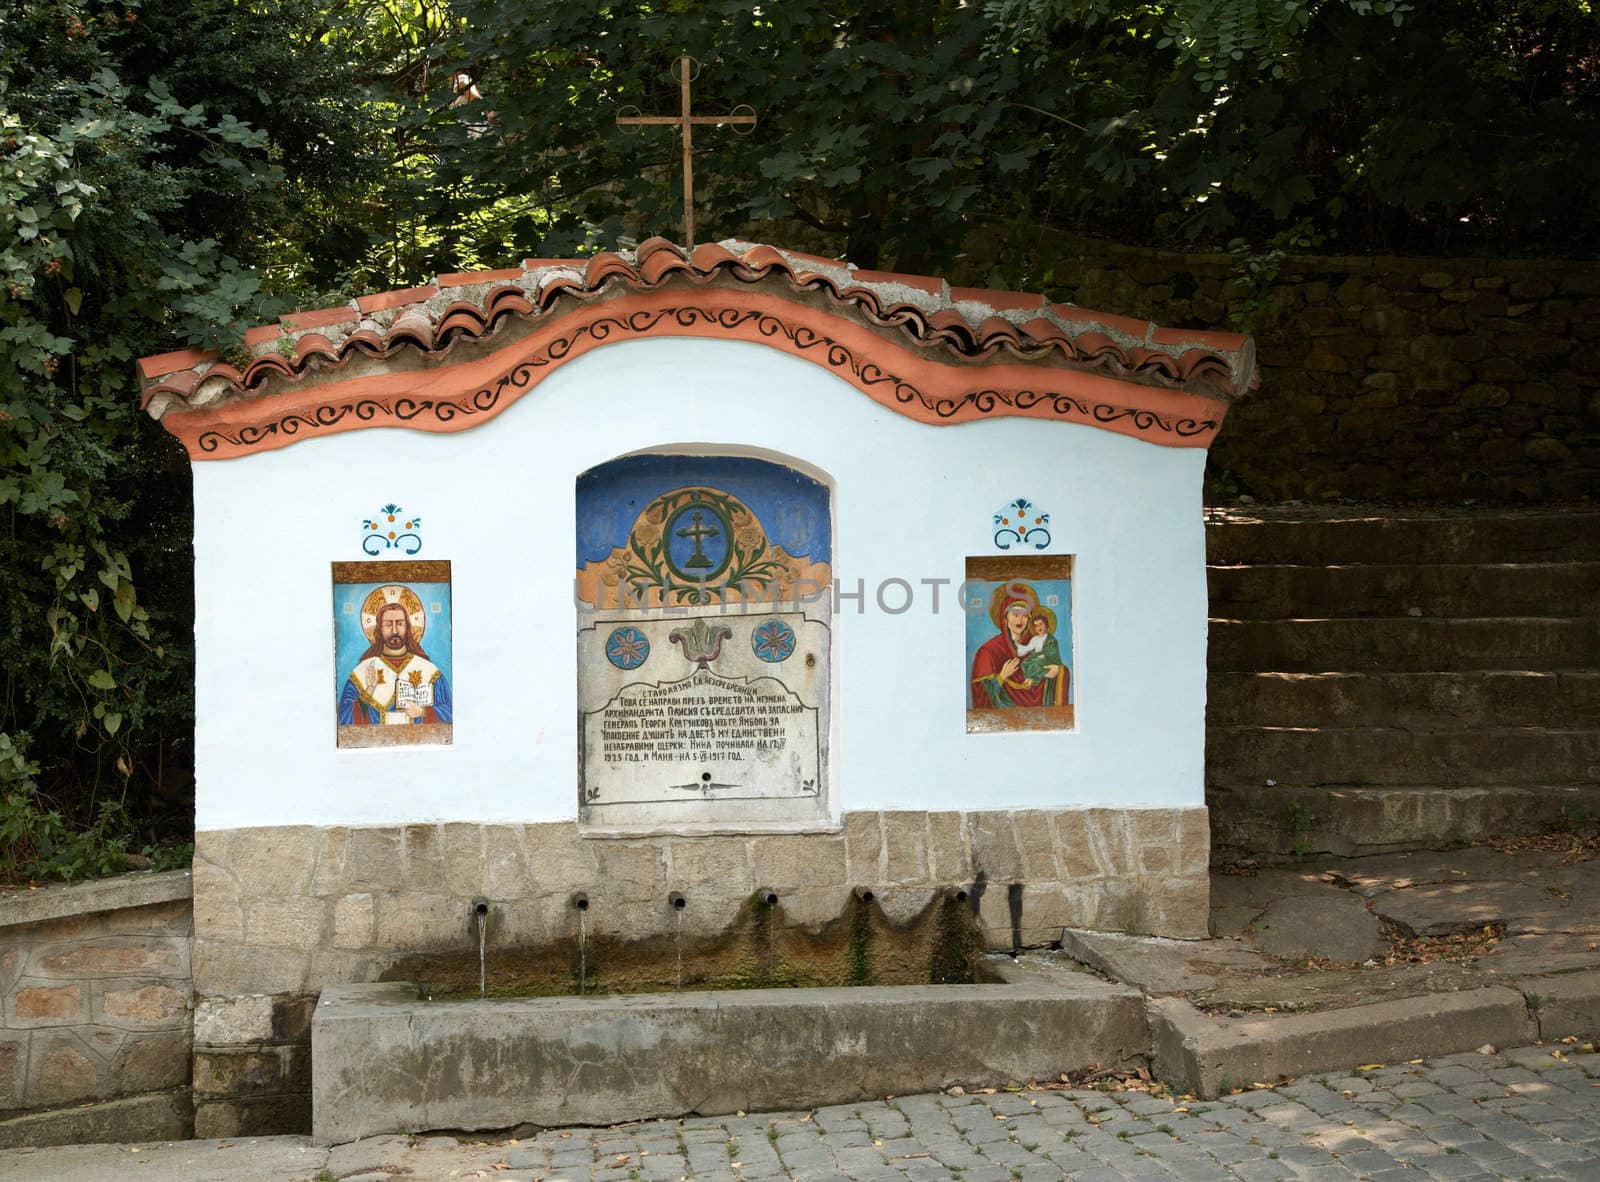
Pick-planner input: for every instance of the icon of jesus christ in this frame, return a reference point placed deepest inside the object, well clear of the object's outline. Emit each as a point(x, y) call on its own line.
point(394, 682)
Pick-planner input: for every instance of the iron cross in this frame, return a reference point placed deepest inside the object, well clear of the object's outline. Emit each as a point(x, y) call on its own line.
point(687, 121)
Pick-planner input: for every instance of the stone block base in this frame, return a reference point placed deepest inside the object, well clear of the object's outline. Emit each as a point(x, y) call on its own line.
point(282, 913)
point(252, 1065)
point(289, 909)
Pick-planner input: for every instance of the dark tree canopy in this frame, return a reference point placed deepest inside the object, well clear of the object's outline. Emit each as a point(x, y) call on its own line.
point(890, 130)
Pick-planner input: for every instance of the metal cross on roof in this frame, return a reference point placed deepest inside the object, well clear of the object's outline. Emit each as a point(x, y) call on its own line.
point(687, 121)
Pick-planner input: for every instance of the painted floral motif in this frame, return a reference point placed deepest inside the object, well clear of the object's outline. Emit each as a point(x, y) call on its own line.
point(773, 641)
point(692, 544)
point(627, 648)
point(1021, 522)
point(391, 528)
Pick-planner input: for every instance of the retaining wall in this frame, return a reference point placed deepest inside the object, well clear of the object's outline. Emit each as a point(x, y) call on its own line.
point(1383, 378)
point(95, 1026)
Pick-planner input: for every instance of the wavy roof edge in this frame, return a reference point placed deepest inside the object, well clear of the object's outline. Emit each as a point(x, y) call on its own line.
point(973, 324)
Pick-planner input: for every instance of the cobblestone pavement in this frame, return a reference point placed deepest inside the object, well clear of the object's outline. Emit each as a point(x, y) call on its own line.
point(1530, 1113)
point(1523, 1114)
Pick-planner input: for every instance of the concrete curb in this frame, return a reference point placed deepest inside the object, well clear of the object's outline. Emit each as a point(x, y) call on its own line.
point(155, 1116)
point(1207, 1055)
point(1563, 1005)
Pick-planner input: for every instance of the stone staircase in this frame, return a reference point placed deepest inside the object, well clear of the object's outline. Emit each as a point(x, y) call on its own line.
point(1385, 680)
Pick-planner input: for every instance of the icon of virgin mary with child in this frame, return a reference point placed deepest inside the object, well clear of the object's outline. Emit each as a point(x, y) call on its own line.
point(1022, 666)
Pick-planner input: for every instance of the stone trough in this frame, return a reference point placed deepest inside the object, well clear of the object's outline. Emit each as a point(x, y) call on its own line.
point(384, 1061)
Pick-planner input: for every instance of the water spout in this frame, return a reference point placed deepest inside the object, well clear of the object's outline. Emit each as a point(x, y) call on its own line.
point(678, 903)
point(581, 902)
point(767, 896)
point(865, 894)
point(480, 913)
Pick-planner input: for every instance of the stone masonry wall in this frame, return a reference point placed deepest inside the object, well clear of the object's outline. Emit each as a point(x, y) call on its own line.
point(96, 1008)
point(1389, 379)
point(282, 912)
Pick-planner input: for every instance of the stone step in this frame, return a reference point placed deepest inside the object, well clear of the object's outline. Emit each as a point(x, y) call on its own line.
point(1363, 756)
point(1382, 537)
point(1418, 701)
point(1403, 645)
point(1297, 819)
point(1560, 589)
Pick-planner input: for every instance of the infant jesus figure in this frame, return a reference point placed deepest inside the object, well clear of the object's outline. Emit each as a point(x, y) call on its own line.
point(1041, 650)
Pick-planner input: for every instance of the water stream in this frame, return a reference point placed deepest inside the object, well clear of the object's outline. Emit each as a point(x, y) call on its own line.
point(678, 941)
point(483, 927)
point(583, 964)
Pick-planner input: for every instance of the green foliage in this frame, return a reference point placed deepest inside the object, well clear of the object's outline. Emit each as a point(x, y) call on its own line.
point(1258, 271)
point(139, 148)
point(1300, 820)
point(39, 844)
point(891, 132)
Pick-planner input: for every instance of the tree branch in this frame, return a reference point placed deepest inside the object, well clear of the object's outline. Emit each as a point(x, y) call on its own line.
point(815, 222)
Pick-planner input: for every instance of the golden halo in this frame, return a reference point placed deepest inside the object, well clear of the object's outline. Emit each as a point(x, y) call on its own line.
point(1007, 593)
point(1049, 617)
point(381, 598)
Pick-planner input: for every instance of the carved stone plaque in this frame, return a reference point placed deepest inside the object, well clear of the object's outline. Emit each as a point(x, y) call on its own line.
point(704, 645)
point(723, 737)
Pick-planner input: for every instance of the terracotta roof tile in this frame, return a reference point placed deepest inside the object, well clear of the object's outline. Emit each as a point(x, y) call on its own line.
point(1231, 341)
point(165, 363)
point(949, 320)
point(969, 323)
point(1152, 359)
point(1048, 332)
point(508, 301)
point(311, 343)
point(654, 245)
point(763, 256)
point(320, 318)
point(262, 366)
point(1197, 362)
point(222, 371)
point(710, 255)
point(182, 381)
point(658, 265)
point(603, 266)
point(998, 328)
point(461, 318)
point(1092, 343)
point(412, 325)
point(384, 300)
point(466, 278)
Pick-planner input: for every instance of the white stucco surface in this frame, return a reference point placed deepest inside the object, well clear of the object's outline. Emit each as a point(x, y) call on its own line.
point(910, 502)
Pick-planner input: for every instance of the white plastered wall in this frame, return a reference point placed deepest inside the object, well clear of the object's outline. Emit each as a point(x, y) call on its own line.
point(911, 502)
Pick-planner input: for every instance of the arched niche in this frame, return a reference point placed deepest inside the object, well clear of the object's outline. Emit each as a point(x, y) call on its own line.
point(703, 585)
